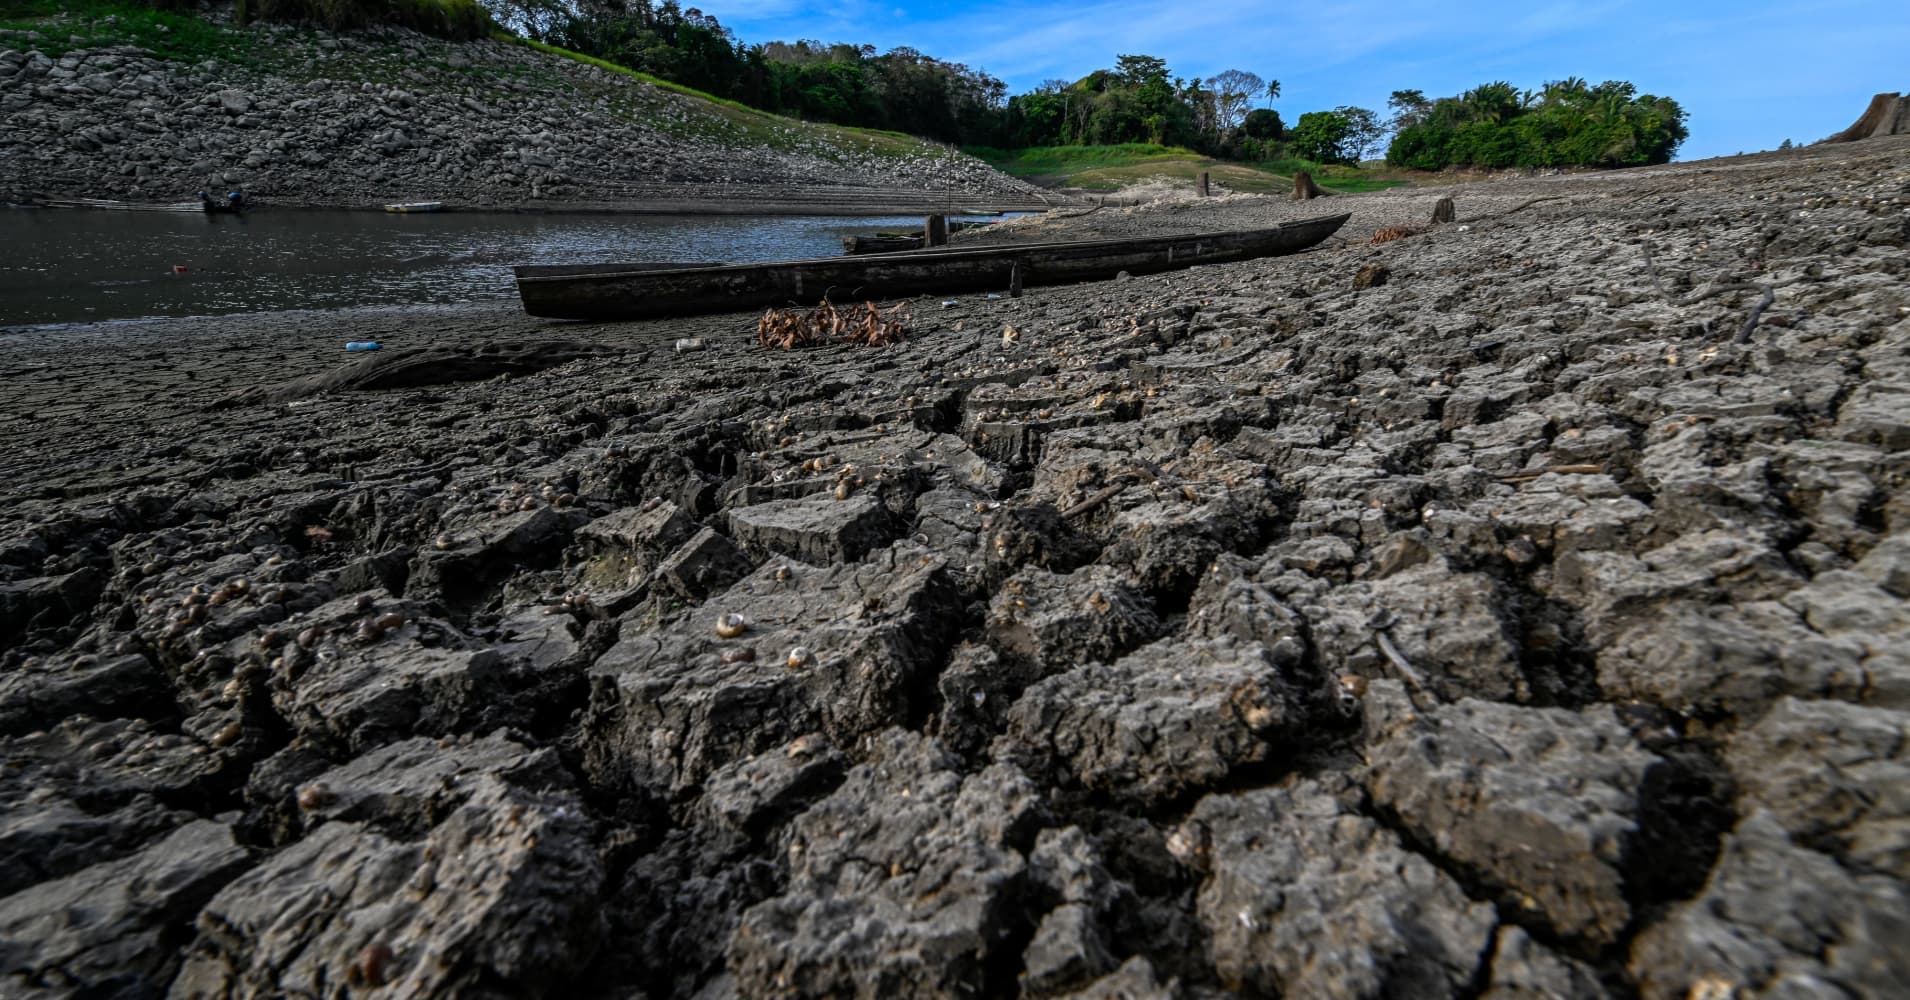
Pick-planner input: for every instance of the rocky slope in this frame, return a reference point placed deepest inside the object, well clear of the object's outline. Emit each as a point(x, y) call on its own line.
point(312, 118)
point(1474, 614)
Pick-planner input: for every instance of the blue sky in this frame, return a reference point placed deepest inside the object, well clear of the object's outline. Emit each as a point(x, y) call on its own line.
point(1749, 74)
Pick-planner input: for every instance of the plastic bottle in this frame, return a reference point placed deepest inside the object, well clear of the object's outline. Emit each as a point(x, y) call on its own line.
point(363, 345)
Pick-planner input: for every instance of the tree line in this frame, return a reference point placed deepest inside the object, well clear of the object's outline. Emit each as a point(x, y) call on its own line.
point(1567, 123)
point(1138, 100)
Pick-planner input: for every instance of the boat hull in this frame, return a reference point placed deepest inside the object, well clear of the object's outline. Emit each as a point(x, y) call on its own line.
point(645, 291)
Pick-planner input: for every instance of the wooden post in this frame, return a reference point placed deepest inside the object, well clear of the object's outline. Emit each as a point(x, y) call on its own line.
point(1303, 187)
point(1443, 211)
point(935, 234)
point(1202, 184)
point(1014, 280)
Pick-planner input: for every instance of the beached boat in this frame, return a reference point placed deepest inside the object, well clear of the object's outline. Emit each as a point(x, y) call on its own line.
point(881, 243)
point(410, 207)
point(641, 291)
point(893, 242)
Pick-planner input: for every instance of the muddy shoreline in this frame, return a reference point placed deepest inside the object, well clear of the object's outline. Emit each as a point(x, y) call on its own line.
point(1472, 614)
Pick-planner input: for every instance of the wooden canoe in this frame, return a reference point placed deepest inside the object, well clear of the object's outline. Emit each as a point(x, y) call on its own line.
point(643, 291)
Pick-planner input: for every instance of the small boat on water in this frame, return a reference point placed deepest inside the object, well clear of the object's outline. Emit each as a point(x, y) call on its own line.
point(643, 291)
point(232, 204)
point(109, 205)
point(409, 207)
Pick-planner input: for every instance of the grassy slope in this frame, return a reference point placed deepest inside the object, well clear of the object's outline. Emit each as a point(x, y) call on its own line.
point(1107, 168)
point(65, 25)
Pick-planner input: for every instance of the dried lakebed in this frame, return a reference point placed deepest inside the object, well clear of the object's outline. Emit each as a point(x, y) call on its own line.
point(1499, 627)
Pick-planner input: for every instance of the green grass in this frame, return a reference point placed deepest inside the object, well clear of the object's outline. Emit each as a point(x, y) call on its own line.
point(65, 25)
point(1061, 161)
point(1109, 168)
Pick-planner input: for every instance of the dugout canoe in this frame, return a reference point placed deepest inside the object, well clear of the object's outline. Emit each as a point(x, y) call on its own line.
point(644, 291)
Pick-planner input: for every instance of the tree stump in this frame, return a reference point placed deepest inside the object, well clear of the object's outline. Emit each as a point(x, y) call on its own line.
point(1201, 185)
point(1303, 187)
point(1443, 211)
point(935, 233)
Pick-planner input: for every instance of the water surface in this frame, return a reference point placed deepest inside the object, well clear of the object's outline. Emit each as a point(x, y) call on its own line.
point(69, 265)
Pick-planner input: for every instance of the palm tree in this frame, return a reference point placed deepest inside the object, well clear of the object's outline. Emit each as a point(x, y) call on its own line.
point(1273, 91)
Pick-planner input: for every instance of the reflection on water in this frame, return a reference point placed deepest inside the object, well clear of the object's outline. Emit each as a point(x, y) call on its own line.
point(63, 266)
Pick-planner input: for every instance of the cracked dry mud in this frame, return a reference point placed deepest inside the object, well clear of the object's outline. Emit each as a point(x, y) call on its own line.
point(1499, 628)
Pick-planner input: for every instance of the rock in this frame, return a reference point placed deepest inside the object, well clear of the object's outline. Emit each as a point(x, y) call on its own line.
point(86, 791)
point(405, 787)
point(46, 602)
point(1170, 718)
point(757, 793)
point(113, 928)
point(89, 685)
point(1067, 950)
point(1087, 909)
point(707, 562)
point(481, 559)
point(1697, 659)
point(1052, 622)
point(439, 915)
point(1835, 777)
point(356, 693)
point(903, 883)
point(1543, 804)
point(1777, 920)
point(819, 529)
point(1523, 969)
point(1447, 626)
point(1308, 898)
point(671, 705)
point(1134, 980)
point(622, 548)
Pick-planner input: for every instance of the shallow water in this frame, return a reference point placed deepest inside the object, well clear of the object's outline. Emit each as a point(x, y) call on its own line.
point(68, 265)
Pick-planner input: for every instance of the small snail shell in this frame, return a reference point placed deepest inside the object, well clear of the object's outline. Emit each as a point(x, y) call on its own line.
point(316, 795)
point(731, 625)
point(799, 657)
point(845, 489)
point(1352, 689)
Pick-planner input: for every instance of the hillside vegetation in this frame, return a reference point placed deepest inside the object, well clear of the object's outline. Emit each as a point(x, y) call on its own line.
point(1109, 168)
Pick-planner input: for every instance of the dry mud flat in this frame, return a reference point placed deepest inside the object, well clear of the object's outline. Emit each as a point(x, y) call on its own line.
point(1502, 627)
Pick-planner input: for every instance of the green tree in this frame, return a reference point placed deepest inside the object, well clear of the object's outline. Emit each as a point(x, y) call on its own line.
point(1363, 131)
point(1563, 123)
point(1264, 123)
point(1320, 136)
